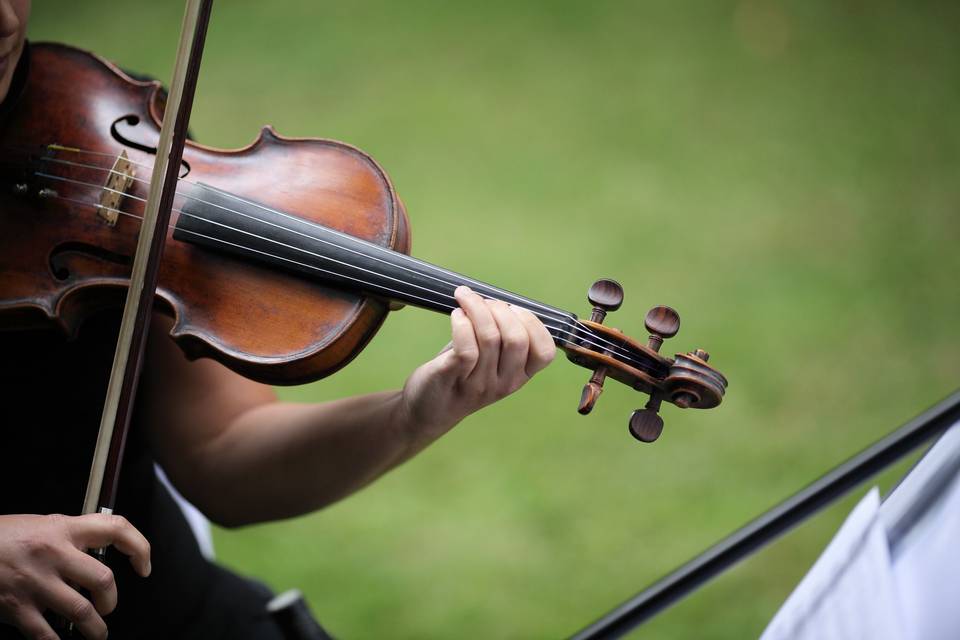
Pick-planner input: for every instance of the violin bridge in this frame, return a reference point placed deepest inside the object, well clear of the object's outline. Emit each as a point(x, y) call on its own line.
point(115, 188)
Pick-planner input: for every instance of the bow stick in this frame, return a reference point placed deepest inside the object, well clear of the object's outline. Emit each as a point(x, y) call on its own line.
point(101, 490)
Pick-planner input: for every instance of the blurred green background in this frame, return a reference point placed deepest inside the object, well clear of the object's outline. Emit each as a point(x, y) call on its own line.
point(785, 174)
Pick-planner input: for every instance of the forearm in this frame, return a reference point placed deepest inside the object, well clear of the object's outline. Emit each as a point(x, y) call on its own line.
point(243, 457)
point(284, 459)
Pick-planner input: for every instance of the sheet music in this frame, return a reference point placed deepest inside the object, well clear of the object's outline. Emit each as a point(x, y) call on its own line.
point(860, 589)
point(926, 555)
point(849, 593)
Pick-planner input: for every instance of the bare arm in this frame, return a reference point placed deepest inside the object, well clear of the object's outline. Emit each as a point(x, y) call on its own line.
point(243, 457)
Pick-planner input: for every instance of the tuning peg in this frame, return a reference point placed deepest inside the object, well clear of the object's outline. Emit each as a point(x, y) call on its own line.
point(645, 424)
point(662, 322)
point(605, 295)
point(591, 391)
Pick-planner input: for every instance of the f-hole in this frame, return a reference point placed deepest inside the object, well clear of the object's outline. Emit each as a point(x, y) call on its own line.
point(130, 124)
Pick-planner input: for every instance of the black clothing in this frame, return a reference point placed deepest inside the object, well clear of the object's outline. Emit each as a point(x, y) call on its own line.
point(53, 391)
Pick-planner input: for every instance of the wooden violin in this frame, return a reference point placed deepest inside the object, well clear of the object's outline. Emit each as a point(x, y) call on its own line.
point(282, 259)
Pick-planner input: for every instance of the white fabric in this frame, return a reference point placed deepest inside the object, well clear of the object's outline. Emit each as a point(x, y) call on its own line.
point(197, 521)
point(860, 589)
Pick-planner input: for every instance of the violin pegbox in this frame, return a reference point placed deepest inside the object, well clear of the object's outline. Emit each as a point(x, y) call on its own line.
point(686, 380)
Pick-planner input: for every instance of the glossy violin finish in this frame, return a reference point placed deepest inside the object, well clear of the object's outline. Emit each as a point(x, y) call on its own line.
point(282, 259)
point(63, 258)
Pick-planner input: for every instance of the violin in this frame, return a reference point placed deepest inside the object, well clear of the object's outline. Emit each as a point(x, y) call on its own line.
point(281, 259)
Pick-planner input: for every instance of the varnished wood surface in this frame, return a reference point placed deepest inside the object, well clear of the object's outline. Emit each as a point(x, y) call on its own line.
point(268, 326)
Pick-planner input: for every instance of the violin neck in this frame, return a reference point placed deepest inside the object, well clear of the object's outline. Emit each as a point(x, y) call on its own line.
point(221, 221)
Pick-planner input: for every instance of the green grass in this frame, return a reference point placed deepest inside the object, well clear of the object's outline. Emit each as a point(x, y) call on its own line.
point(785, 174)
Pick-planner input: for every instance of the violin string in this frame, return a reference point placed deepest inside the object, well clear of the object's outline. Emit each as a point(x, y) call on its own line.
point(566, 319)
point(289, 246)
point(283, 244)
point(623, 353)
point(336, 232)
point(268, 222)
point(360, 281)
point(443, 296)
point(527, 301)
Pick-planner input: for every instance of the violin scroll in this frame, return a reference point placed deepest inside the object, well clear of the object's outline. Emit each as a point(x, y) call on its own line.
point(686, 380)
point(692, 383)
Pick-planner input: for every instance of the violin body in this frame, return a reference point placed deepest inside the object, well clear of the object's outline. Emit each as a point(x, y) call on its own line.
point(62, 258)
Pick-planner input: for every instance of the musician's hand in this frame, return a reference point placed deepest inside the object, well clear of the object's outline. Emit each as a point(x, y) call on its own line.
point(42, 556)
point(495, 349)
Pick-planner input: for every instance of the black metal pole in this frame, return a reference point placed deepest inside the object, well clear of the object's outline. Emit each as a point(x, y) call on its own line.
point(775, 522)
